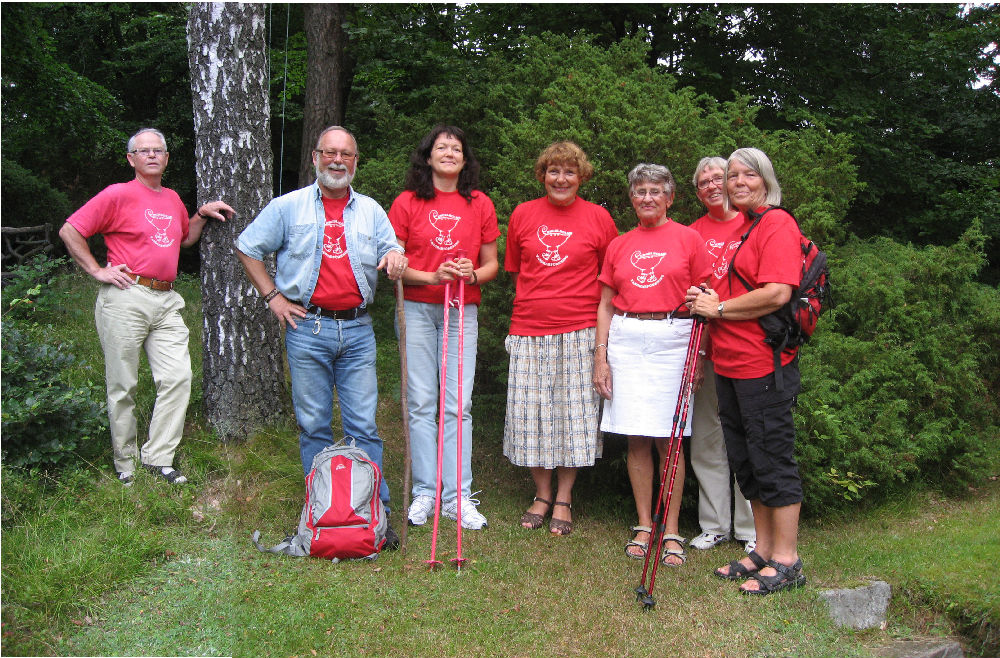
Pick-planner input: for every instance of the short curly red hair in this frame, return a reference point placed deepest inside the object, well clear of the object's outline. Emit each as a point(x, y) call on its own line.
point(566, 154)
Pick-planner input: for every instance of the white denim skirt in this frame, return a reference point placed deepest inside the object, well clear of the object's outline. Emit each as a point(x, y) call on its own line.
point(647, 363)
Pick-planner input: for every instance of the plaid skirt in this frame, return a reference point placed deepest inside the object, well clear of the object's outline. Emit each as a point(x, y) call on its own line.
point(552, 408)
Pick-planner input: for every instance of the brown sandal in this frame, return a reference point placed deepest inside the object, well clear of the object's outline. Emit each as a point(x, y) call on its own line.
point(558, 526)
point(532, 521)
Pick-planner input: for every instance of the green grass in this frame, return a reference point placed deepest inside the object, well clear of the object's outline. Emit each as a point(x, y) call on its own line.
point(90, 568)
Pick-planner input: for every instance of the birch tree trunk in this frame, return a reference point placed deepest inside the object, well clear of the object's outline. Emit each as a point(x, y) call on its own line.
point(243, 370)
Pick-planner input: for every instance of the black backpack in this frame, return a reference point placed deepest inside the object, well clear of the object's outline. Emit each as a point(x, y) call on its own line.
point(791, 325)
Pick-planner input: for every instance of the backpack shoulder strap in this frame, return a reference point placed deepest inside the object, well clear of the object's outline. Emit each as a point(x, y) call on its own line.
point(290, 546)
point(756, 220)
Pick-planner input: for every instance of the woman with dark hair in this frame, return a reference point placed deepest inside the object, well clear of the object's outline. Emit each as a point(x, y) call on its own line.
point(555, 247)
point(641, 347)
point(755, 406)
point(440, 214)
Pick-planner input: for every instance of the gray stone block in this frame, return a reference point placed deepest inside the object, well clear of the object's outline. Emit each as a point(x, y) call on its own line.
point(942, 648)
point(861, 607)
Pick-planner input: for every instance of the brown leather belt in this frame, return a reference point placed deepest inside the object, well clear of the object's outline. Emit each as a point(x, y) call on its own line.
point(155, 284)
point(643, 316)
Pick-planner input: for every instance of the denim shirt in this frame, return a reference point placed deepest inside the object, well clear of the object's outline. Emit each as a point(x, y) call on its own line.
point(293, 226)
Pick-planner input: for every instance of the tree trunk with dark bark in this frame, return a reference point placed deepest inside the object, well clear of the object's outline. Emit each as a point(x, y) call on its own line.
point(327, 73)
point(243, 372)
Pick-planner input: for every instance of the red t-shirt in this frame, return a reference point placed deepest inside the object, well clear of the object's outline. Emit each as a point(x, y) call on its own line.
point(721, 240)
point(557, 252)
point(770, 254)
point(336, 287)
point(142, 228)
point(431, 229)
point(651, 269)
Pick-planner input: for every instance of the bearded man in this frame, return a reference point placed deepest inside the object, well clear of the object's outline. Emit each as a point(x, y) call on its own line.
point(330, 243)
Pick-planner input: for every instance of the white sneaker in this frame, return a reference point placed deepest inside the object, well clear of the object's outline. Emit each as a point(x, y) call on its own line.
point(750, 546)
point(471, 518)
point(420, 508)
point(707, 540)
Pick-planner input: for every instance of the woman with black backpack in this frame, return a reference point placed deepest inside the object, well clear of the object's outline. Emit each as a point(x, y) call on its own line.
point(756, 412)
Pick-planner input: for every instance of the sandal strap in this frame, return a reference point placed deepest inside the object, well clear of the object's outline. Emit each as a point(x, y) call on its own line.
point(785, 570)
point(677, 538)
point(560, 503)
point(542, 500)
point(758, 561)
point(642, 528)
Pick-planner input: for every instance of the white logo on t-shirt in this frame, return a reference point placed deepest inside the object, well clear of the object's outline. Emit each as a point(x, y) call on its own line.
point(646, 264)
point(445, 223)
point(552, 239)
point(333, 241)
point(722, 264)
point(161, 223)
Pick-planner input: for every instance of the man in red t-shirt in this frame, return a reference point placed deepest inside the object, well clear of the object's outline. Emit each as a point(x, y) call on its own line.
point(144, 226)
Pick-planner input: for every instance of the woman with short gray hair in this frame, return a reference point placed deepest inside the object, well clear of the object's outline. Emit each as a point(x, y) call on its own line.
point(752, 382)
point(641, 346)
point(720, 519)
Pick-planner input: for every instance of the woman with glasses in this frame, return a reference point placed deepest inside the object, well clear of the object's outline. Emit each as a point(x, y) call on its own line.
point(641, 348)
point(720, 228)
point(449, 230)
point(755, 398)
point(555, 246)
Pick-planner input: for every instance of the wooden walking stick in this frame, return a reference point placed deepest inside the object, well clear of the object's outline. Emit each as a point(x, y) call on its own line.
point(401, 318)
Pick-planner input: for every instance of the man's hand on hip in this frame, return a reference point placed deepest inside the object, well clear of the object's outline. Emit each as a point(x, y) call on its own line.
point(116, 275)
point(286, 311)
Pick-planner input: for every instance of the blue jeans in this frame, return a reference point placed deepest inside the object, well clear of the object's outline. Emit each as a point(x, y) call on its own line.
point(341, 355)
point(424, 336)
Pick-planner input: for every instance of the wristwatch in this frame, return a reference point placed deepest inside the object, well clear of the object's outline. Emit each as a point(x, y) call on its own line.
point(720, 307)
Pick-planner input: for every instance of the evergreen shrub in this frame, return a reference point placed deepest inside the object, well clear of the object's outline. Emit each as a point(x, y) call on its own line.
point(46, 417)
point(900, 380)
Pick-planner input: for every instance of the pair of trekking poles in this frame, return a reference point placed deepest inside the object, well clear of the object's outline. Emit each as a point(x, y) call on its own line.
point(644, 593)
point(458, 560)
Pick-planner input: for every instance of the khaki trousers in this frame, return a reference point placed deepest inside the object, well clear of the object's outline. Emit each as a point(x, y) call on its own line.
point(129, 321)
point(711, 468)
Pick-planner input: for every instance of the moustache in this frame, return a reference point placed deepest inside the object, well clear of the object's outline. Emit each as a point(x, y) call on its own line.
point(336, 167)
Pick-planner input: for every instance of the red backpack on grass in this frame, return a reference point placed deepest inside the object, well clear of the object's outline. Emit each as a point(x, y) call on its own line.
point(343, 517)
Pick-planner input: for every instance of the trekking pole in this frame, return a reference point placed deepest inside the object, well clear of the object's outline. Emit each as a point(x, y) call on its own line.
point(644, 594)
point(440, 438)
point(404, 403)
point(641, 591)
point(458, 560)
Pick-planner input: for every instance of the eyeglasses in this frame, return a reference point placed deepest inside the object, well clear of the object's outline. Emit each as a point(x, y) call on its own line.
point(156, 152)
point(331, 154)
point(709, 182)
point(652, 194)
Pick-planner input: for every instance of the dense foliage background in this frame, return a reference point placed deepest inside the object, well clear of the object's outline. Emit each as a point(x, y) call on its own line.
point(883, 122)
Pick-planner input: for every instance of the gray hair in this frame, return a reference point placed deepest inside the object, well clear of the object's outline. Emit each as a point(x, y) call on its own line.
point(131, 140)
point(712, 162)
point(758, 161)
point(652, 173)
point(342, 129)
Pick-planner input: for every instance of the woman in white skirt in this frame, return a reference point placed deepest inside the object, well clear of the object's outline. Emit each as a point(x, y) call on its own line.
point(555, 245)
point(640, 352)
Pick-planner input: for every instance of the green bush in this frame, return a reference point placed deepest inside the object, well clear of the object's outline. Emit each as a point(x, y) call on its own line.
point(46, 415)
point(29, 200)
point(899, 382)
point(45, 419)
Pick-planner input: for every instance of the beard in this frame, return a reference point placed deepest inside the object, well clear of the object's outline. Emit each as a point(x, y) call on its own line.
point(326, 179)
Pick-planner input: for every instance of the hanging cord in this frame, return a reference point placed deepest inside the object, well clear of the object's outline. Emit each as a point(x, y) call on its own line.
point(284, 94)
